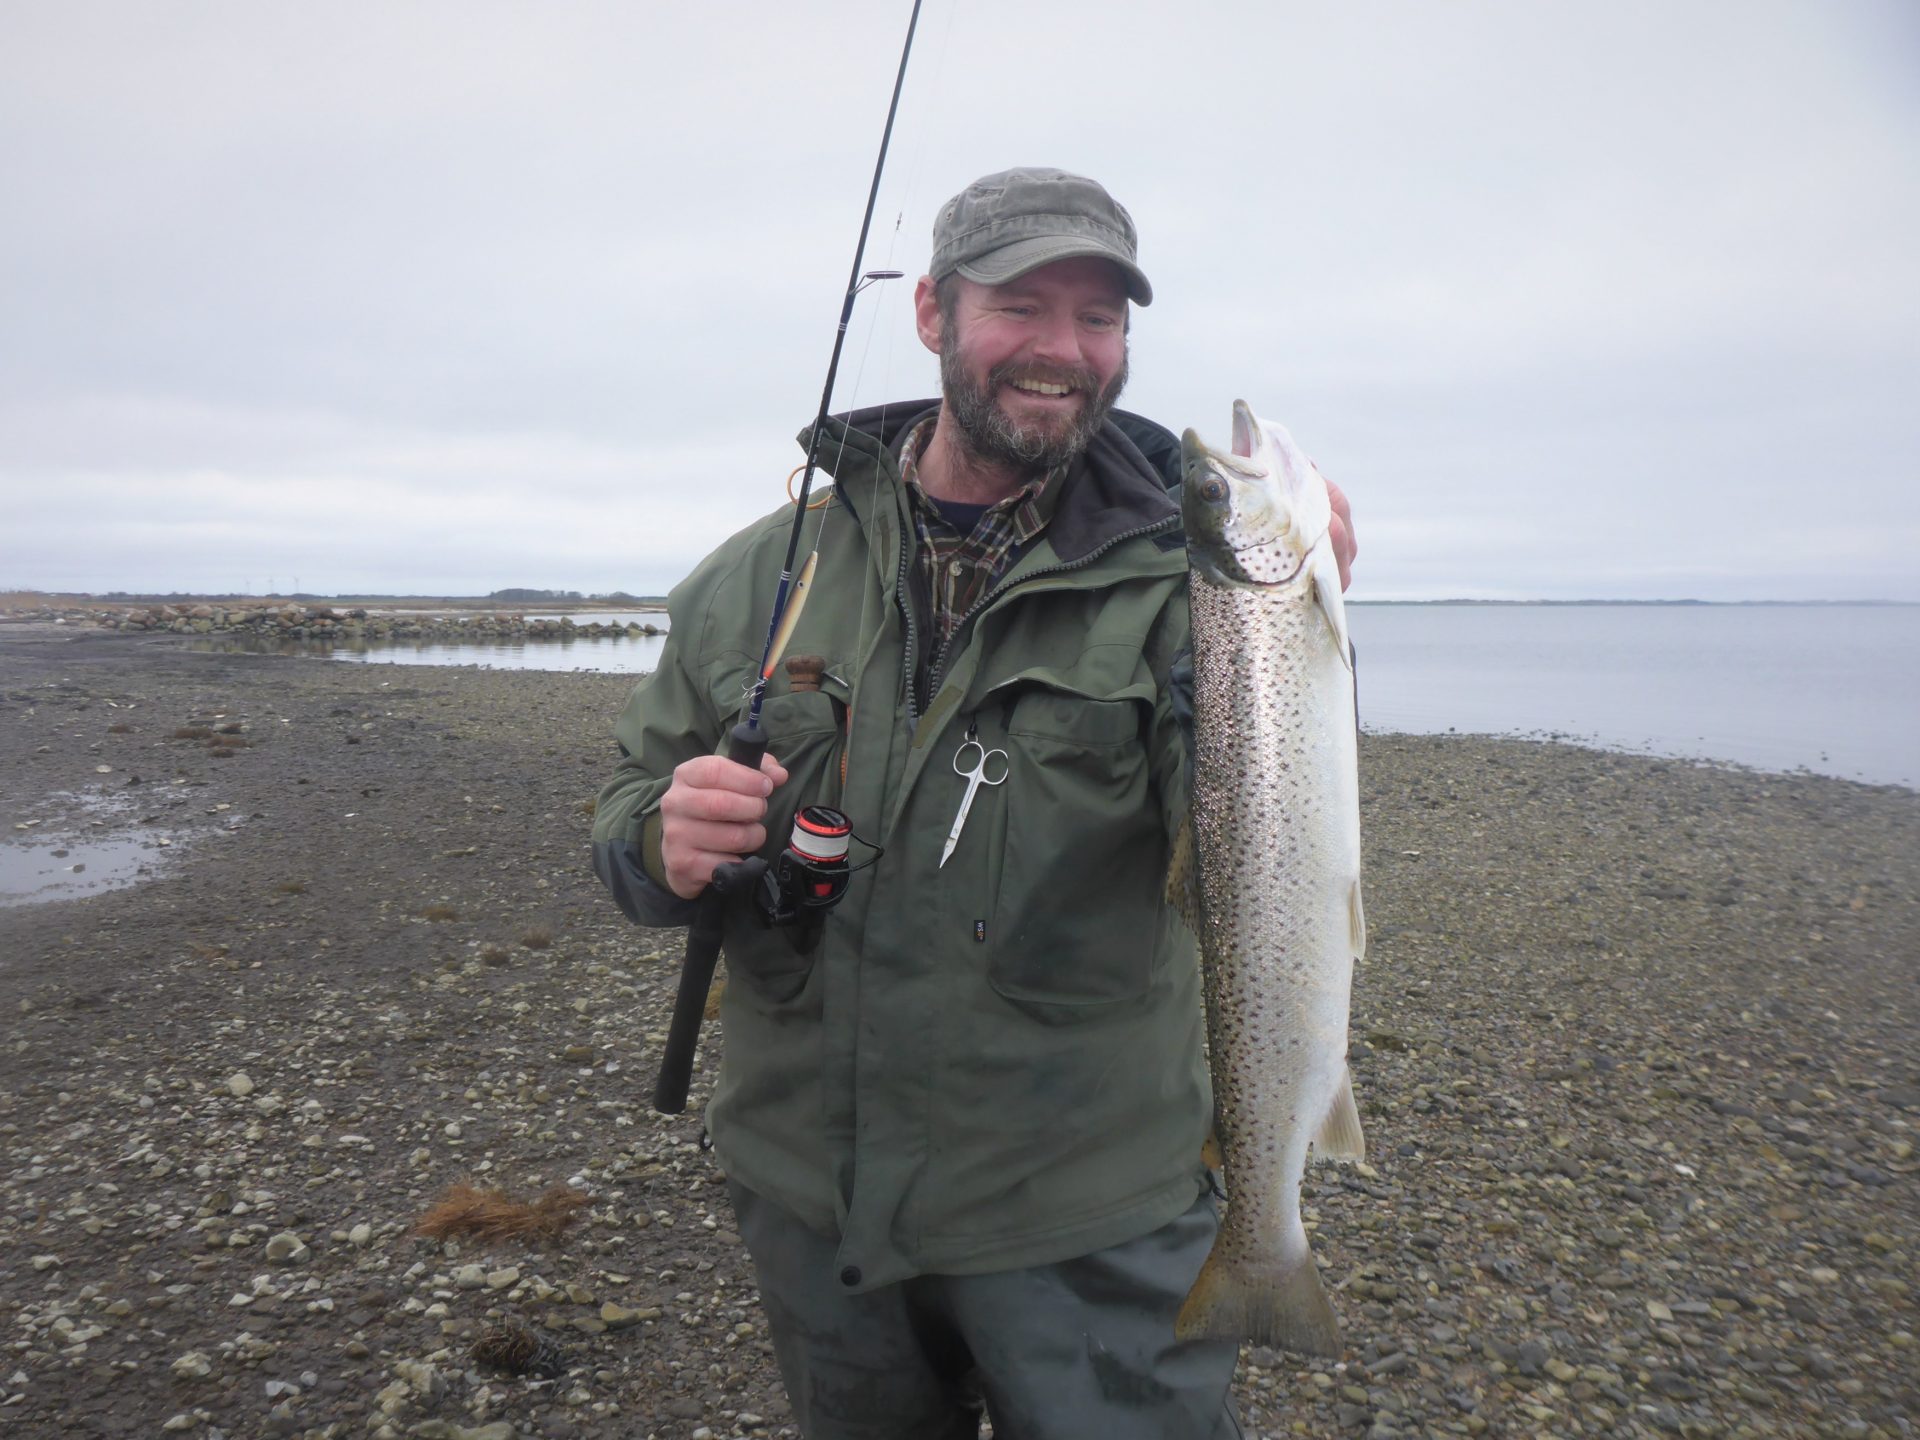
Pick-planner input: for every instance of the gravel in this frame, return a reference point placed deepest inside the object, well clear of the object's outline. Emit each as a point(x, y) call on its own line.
point(1635, 1042)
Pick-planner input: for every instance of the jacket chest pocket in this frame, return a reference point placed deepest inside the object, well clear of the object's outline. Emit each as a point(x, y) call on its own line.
point(806, 732)
point(1075, 916)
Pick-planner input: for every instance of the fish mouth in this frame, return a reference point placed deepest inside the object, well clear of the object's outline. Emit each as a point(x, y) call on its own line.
point(1245, 428)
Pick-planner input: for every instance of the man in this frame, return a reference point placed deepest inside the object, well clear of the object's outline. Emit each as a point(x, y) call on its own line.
point(962, 1134)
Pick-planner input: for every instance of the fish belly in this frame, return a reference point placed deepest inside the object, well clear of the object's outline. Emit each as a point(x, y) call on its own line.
point(1276, 844)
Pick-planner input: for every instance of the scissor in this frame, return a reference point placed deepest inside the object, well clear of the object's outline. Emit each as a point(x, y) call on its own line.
point(975, 775)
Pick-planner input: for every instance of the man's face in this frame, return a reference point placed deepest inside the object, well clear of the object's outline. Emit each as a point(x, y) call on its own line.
point(1029, 369)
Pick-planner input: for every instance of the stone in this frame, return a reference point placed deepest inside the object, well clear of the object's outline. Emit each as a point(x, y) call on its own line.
point(194, 1365)
point(238, 1085)
point(618, 1317)
point(470, 1277)
point(360, 1234)
point(287, 1248)
point(503, 1279)
point(421, 1378)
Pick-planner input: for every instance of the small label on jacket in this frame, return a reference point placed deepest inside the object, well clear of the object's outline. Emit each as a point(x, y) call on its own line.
point(979, 932)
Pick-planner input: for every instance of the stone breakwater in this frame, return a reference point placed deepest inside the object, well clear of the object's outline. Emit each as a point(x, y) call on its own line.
point(327, 622)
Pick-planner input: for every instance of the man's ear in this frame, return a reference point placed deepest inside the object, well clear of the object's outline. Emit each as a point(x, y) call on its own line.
point(926, 314)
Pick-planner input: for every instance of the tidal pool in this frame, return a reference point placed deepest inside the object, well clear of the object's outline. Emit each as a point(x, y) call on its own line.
point(75, 853)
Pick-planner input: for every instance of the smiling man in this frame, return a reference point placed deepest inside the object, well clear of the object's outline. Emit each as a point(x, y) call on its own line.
point(962, 1129)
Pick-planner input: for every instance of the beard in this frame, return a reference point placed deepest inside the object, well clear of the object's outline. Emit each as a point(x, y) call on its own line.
point(994, 436)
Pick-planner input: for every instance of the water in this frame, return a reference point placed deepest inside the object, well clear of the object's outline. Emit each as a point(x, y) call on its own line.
point(615, 654)
point(1834, 689)
point(1830, 688)
point(63, 859)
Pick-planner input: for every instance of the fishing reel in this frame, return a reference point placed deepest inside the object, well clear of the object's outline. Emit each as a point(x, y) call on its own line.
point(808, 878)
point(795, 890)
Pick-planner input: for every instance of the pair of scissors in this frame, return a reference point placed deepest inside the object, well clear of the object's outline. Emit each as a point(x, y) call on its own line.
point(984, 763)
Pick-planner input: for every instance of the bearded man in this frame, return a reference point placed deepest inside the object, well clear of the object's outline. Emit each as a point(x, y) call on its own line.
point(962, 1133)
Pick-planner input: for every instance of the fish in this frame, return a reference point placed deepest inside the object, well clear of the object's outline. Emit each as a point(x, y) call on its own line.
point(1266, 869)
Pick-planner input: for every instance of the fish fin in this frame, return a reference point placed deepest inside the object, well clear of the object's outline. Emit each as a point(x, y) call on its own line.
point(1326, 594)
point(1357, 922)
point(1285, 1307)
point(1340, 1137)
point(1183, 876)
point(1211, 1155)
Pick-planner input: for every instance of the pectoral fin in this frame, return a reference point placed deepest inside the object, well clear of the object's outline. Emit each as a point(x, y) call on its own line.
point(1340, 1137)
point(1356, 922)
point(1326, 594)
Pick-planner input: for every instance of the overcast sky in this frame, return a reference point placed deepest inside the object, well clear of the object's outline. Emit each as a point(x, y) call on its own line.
point(1610, 299)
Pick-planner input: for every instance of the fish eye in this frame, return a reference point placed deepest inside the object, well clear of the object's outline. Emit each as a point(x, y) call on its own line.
point(1213, 489)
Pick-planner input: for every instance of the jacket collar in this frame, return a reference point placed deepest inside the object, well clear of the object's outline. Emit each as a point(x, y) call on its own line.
point(1123, 486)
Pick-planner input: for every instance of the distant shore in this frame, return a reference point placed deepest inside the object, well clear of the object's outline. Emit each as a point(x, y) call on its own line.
point(1637, 1045)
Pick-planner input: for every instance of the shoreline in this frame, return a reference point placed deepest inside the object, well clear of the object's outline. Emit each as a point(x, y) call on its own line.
point(1637, 1043)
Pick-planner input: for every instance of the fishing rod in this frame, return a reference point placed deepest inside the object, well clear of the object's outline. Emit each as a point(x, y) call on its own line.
point(807, 879)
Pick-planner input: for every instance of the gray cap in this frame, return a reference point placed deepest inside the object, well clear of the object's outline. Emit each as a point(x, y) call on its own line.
point(1001, 226)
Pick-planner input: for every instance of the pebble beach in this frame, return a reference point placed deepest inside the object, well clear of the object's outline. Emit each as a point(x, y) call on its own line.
point(1636, 1044)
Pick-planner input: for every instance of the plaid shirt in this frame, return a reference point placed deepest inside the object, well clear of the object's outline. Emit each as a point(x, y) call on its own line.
point(958, 570)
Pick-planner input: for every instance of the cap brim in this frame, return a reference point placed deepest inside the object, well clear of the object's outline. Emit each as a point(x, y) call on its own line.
point(1010, 262)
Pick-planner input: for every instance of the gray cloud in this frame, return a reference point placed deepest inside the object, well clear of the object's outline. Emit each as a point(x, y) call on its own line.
point(1610, 300)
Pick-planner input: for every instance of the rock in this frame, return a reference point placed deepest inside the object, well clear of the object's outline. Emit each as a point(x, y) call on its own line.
point(287, 1248)
point(1673, 1385)
point(360, 1235)
point(618, 1317)
point(239, 1085)
point(194, 1365)
point(1532, 1358)
point(421, 1378)
point(503, 1279)
point(470, 1277)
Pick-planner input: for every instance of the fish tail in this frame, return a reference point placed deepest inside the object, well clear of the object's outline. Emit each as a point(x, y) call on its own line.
point(1285, 1306)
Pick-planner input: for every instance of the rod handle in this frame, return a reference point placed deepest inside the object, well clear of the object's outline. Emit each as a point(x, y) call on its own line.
point(746, 743)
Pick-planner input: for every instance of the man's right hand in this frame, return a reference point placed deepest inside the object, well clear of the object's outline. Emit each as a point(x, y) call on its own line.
point(711, 815)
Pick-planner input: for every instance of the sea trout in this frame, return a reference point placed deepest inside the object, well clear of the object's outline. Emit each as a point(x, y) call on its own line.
point(1267, 868)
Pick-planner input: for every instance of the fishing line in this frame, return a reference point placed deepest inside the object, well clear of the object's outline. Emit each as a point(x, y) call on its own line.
point(747, 742)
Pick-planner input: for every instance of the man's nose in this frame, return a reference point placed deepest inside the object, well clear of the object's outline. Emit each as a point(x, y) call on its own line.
point(1057, 341)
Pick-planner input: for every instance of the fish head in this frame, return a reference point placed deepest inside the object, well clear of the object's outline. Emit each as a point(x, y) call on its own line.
point(1255, 513)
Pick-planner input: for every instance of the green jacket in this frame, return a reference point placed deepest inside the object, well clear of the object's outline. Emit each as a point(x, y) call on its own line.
point(997, 1063)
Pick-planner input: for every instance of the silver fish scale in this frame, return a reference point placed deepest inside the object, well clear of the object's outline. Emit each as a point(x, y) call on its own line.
point(1274, 770)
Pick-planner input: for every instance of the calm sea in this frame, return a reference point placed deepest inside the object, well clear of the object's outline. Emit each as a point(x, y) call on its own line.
point(1830, 688)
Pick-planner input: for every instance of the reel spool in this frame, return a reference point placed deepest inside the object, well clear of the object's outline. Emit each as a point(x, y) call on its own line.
point(809, 876)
